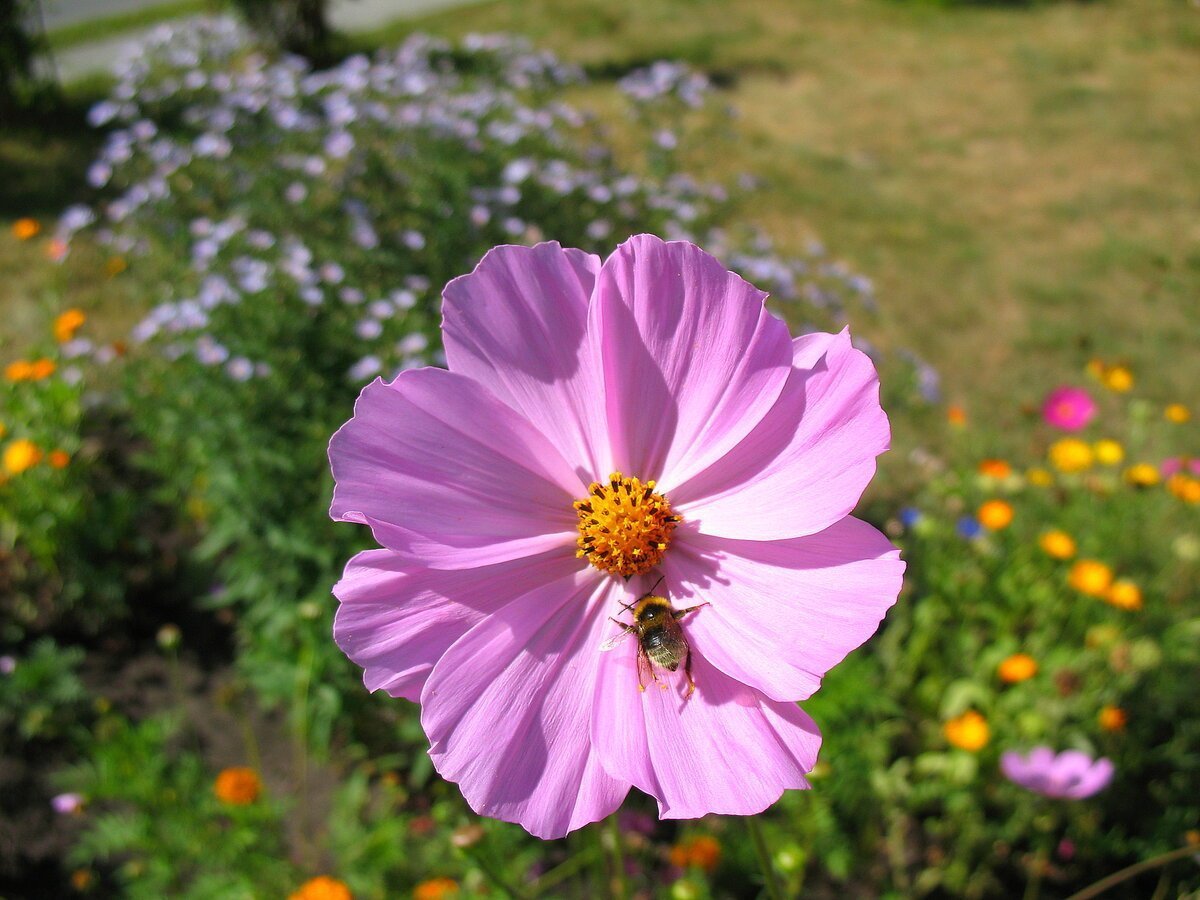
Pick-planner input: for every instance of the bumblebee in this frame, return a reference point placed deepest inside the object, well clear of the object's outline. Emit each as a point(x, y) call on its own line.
point(660, 639)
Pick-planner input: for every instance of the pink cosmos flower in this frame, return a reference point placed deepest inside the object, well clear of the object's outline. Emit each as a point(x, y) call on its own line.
point(1071, 775)
point(602, 426)
point(1068, 408)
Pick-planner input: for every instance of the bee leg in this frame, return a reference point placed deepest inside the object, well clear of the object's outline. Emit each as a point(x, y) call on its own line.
point(683, 612)
point(687, 670)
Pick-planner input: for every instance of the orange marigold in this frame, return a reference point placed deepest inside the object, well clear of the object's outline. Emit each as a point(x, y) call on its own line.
point(41, 368)
point(1016, 668)
point(237, 785)
point(995, 515)
point(67, 323)
point(321, 888)
point(1112, 718)
point(1057, 544)
point(24, 229)
point(1177, 413)
point(1124, 594)
point(1090, 576)
point(435, 889)
point(701, 851)
point(995, 468)
point(967, 732)
point(18, 371)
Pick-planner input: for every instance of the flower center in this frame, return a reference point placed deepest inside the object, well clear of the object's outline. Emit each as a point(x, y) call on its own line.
point(624, 526)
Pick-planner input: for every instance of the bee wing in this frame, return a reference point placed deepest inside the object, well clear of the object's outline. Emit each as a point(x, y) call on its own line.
point(614, 641)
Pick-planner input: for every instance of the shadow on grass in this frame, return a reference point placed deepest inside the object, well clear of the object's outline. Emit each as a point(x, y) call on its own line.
point(45, 150)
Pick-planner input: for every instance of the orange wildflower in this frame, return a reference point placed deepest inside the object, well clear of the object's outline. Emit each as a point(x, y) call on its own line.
point(1112, 718)
point(956, 415)
point(1057, 544)
point(435, 889)
point(1017, 668)
point(1070, 455)
point(1124, 594)
point(58, 459)
point(967, 732)
point(321, 888)
point(1118, 379)
point(995, 468)
point(995, 515)
point(702, 852)
point(81, 879)
point(1089, 576)
point(238, 786)
point(115, 266)
point(1177, 413)
point(18, 371)
point(56, 250)
point(24, 229)
point(67, 323)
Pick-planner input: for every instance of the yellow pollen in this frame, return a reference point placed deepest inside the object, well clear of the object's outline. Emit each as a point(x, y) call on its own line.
point(624, 526)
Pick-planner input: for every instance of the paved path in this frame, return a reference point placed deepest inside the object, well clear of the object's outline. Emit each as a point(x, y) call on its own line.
point(99, 56)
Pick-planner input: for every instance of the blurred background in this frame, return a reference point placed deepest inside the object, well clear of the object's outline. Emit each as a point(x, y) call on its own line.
point(220, 220)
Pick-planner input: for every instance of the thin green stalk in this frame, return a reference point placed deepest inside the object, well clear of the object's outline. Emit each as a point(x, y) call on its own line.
point(770, 879)
point(564, 870)
point(618, 858)
point(1095, 890)
point(493, 875)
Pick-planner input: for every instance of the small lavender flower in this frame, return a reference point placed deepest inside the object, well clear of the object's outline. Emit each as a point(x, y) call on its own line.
point(1070, 775)
point(67, 804)
point(365, 368)
point(240, 369)
point(295, 193)
point(8, 664)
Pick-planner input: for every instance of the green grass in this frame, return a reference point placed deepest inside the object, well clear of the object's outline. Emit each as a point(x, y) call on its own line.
point(108, 26)
point(1020, 182)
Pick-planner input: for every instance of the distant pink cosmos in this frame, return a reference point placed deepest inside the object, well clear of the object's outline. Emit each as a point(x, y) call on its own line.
point(1070, 775)
point(1069, 408)
point(511, 497)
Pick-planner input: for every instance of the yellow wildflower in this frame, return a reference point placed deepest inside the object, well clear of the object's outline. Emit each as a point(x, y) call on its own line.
point(1177, 413)
point(1124, 594)
point(1108, 452)
point(1142, 474)
point(1070, 455)
point(1091, 577)
point(1040, 477)
point(968, 731)
point(1118, 378)
point(20, 455)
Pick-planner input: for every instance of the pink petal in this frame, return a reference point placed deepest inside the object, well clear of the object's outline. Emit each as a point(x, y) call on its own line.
point(517, 324)
point(439, 468)
point(507, 710)
point(807, 463)
point(783, 613)
point(396, 619)
point(727, 749)
point(691, 358)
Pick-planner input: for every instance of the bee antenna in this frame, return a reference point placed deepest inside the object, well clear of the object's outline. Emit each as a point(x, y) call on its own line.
point(656, 584)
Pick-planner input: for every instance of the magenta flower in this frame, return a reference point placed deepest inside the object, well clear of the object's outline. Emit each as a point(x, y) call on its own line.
point(603, 426)
point(1070, 775)
point(1069, 408)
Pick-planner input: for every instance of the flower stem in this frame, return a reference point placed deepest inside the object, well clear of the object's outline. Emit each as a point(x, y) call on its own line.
point(492, 874)
point(1099, 887)
point(618, 858)
point(771, 880)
